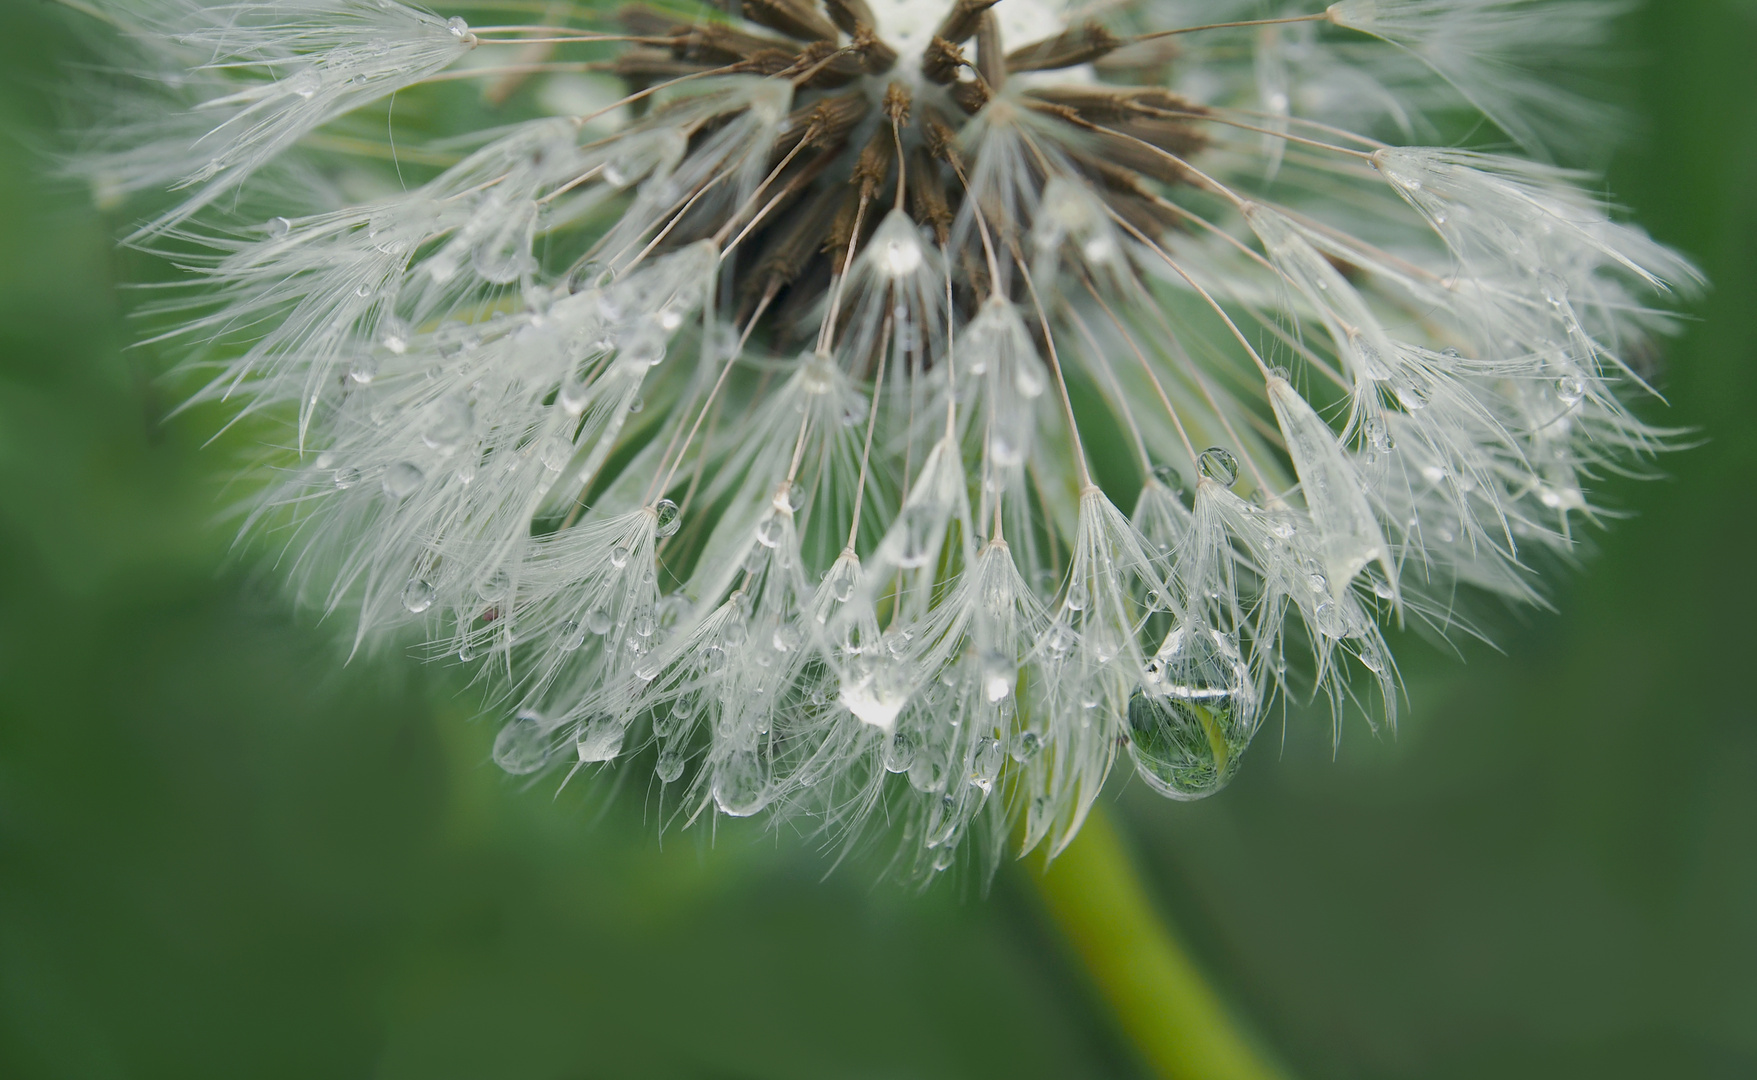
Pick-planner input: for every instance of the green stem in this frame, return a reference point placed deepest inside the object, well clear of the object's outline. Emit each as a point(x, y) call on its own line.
point(1174, 1017)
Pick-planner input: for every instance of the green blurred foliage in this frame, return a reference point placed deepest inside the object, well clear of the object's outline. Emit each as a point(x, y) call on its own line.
point(223, 853)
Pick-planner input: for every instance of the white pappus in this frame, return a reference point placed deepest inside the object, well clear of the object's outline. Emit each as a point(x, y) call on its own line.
point(902, 411)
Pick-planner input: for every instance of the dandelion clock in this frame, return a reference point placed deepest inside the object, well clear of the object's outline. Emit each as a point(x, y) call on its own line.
point(896, 416)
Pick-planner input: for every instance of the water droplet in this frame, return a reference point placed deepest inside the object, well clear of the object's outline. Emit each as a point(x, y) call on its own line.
point(791, 498)
point(574, 397)
point(619, 556)
point(739, 788)
point(495, 586)
point(669, 518)
point(305, 84)
point(1383, 590)
point(669, 766)
point(999, 674)
point(522, 746)
point(601, 741)
point(598, 620)
point(467, 651)
point(448, 424)
point(1078, 596)
point(279, 227)
point(787, 637)
point(1377, 434)
point(1194, 715)
point(573, 635)
point(920, 526)
point(401, 479)
point(985, 763)
point(556, 453)
point(899, 753)
point(768, 531)
point(346, 477)
point(1170, 477)
point(1218, 465)
point(927, 770)
point(458, 27)
point(637, 404)
point(713, 660)
point(1571, 389)
point(843, 577)
point(363, 369)
point(418, 595)
point(1331, 620)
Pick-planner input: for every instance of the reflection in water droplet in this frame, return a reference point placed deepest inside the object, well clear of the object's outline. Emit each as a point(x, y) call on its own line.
point(1218, 465)
point(522, 746)
point(346, 477)
point(1193, 716)
point(669, 518)
point(573, 635)
point(598, 620)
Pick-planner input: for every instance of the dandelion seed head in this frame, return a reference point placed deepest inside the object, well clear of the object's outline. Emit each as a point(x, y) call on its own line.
point(906, 410)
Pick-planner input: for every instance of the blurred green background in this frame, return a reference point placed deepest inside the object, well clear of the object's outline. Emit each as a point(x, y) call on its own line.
point(222, 854)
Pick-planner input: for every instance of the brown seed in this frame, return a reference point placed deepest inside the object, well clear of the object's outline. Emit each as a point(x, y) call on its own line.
point(1079, 45)
point(970, 96)
point(991, 63)
point(927, 196)
point(873, 167)
point(960, 22)
point(795, 18)
point(941, 60)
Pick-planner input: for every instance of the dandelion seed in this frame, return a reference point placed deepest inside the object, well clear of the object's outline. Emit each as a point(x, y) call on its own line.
point(754, 428)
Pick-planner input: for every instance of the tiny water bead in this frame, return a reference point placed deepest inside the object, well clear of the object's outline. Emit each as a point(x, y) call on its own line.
point(1571, 390)
point(1193, 715)
point(279, 227)
point(345, 477)
point(1218, 465)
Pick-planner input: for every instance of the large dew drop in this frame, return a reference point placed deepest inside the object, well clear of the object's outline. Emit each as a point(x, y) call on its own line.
point(523, 745)
point(1191, 720)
